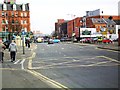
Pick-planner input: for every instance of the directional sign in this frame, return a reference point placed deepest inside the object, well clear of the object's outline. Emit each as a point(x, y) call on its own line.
point(23, 32)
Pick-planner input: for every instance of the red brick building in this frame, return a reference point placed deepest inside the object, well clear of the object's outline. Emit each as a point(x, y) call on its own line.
point(73, 27)
point(105, 25)
point(14, 17)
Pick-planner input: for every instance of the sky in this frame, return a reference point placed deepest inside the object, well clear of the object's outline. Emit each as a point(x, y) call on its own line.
point(44, 13)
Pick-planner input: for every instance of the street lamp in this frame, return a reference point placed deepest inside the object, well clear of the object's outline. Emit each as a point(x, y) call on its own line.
point(23, 40)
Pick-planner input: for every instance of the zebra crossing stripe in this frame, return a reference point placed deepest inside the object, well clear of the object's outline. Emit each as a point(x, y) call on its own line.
point(19, 61)
point(22, 61)
point(16, 62)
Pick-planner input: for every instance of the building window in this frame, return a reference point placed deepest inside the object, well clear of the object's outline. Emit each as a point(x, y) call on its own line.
point(21, 21)
point(14, 7)
point(6, 21)
point(108, 25)
point(21, 14)
point(12, 13)
point(16, 14)
point(112, 25)
point(25, 14)
point(3, 21)
point(3, 13)
point(24, 22)
point(3, 29)
point(12, 21)
point(6, 14)
point(16, 21)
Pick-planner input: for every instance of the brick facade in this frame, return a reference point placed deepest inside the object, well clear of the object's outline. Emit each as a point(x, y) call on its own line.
point(74, 25)
point(14, 20)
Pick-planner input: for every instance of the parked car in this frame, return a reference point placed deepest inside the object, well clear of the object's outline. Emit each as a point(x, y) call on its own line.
point(86, 40)
point(89, 40)
point(94, 40)
point(107, 41)
point(50, 41)
point(63, 39)
point(99, 39)
point(56, 40)
point(83, 40)
point(39, 40)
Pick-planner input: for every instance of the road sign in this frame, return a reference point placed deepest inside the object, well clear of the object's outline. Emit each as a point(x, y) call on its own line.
point(23, 32)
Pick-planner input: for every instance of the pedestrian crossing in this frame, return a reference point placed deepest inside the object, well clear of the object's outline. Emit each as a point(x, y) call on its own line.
point(18, 64)
point(19, 61)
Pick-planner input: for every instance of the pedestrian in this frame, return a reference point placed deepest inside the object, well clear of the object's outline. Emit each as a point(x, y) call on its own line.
point(13, 50)
point(2, 48)
point(28, 43)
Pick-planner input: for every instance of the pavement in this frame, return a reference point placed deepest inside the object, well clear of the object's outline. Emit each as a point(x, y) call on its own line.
point(21, 53)
point(111, 46)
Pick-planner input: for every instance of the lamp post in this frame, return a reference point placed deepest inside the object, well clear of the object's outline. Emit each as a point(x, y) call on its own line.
point(23, 40)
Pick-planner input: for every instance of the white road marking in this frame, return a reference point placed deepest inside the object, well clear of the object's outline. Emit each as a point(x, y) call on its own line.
point(16, 62)
point(62, 48)
point(22, 62)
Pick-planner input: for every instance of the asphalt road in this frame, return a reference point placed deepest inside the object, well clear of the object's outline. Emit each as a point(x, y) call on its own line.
point(63, 65)
point(77, 66)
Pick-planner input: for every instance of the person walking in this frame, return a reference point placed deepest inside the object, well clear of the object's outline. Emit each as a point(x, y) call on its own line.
point(13, 50)
point(2, 48)
point(28, 43)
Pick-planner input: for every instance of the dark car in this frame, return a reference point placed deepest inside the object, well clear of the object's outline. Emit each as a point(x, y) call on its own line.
point(7, 43)
point(50, 41)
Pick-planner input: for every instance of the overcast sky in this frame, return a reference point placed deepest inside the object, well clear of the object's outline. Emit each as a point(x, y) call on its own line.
point(44, 13)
